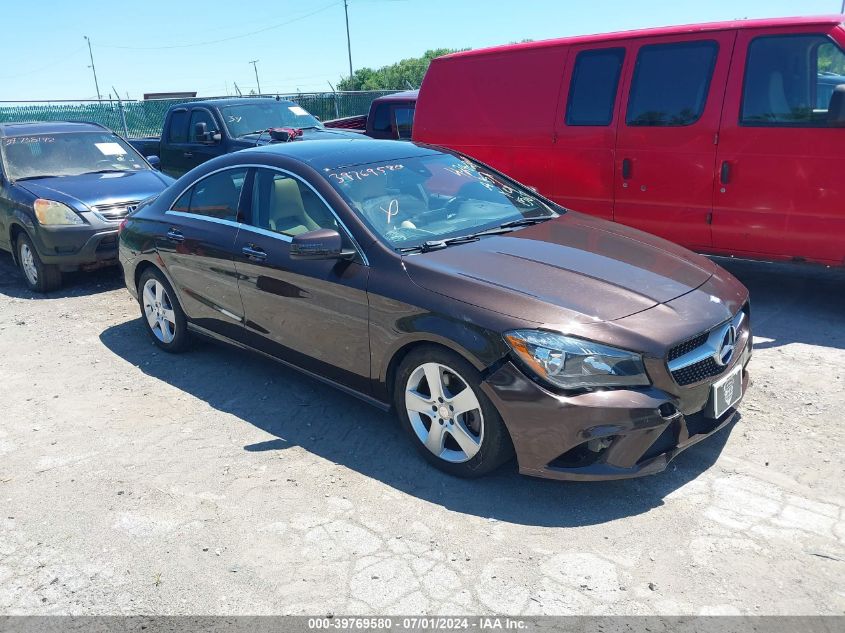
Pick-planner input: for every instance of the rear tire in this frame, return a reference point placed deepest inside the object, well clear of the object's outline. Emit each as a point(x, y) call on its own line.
point(163, 317)
point(39, 277)
point(438, 397)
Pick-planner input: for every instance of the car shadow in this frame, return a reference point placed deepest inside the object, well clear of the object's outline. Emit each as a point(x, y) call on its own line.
point(299, 411)
point(793, 303)
point(76, 284)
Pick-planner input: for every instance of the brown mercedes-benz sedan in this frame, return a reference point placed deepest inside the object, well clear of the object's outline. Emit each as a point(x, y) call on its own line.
point(491, 320)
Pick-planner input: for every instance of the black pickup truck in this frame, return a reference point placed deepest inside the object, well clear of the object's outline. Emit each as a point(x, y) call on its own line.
point(201, 130)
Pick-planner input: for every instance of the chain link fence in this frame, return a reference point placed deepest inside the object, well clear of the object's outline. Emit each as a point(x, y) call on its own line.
point(145, 118)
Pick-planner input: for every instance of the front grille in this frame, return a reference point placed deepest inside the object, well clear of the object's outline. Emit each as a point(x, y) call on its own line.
point(697, 372)
point(115, 212)
point(688, 346)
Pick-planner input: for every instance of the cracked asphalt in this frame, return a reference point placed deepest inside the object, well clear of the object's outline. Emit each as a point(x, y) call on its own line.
point(217, 482)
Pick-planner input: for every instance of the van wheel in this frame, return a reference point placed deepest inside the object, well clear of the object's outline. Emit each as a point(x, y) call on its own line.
point(163, 317)
point(449, 419)
point(39, 277)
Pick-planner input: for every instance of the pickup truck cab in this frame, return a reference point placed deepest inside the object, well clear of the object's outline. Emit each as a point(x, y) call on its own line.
point(726, 138)
point(198, 131)
point(390, 117)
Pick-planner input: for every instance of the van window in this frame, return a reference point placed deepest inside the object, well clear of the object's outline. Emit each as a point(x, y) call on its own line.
point(178, 132)
point(404, 116)
point(670, 83)
point(789, 80)
point(592, 92)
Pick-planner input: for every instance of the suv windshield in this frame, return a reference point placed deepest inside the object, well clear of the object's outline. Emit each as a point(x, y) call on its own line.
point(68, 154)
point(244, 119)
point(412, 201)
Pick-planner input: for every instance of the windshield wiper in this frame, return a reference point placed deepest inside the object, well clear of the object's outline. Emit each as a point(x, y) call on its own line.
point(259, 132)
point(41, 176)
point(506, 227)
point(106, 171)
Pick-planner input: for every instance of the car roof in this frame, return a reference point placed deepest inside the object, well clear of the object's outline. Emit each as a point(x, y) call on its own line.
point(48, 127)
point(335, 153)
point(405, 95)
point(217, 103)
point(827, 20)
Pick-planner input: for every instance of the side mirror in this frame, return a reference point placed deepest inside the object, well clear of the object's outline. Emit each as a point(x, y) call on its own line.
point(216, 137)
point(201, 131)
point(319, 244)
point(836, 107)
point(154, 161)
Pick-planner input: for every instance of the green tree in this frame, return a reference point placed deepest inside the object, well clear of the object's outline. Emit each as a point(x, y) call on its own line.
point(396, 76)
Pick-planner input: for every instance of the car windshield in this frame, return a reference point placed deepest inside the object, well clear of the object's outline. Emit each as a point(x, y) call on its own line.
point(412, 201)
point(68, 154)
point(253, 117)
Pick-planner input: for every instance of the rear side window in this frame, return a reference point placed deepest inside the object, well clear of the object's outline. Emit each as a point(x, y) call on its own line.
point(790, 79)
point(178, 132)
point(592, 92)
point(381, 118)
point(216, 196)
point(670, 83)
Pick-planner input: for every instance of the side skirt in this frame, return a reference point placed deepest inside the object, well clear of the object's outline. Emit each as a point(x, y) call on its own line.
point(352, 392)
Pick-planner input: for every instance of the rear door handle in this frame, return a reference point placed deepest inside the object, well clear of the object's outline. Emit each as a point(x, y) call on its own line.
point(626, 168)
point(174, 235)
point(725, 173)
point(253, 252)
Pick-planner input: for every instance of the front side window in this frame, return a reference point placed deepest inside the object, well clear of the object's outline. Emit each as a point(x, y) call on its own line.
point(68, 154)
point(381, 118)
point(414, 200)
point(404, 117)
point(254, 118)
point(216, 196)
point(200, 116)
point(790, 79)
point(592, 92)
point(283, 204)
point(670, 84)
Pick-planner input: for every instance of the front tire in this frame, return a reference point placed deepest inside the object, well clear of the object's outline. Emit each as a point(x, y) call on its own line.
point(452, 423)
point(39, 277)
point(163, 317)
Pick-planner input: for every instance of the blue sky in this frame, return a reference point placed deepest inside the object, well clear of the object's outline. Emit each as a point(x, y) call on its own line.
point(158, 45)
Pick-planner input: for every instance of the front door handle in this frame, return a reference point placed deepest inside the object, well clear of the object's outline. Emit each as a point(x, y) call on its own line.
point(188, 154)
point(725, 173)
point(174, 235)
point(626, 168)
point(253, 252)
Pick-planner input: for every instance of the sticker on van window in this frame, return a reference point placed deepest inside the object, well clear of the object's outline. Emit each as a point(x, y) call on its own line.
point(110, 149)
point(298, 111)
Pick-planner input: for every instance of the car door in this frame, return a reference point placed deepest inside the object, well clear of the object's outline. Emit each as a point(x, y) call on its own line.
point(313, 314)
point(781, 193)
point(585, 130)
point(174, 143)
point(196, 246)
point(666, 144)
point(200, 150)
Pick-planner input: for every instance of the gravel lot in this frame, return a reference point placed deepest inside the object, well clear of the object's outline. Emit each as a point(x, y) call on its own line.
point(217, 482)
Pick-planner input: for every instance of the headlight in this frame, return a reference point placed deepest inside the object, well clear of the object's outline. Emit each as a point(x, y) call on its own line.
point(52, 213)
point(573, 363)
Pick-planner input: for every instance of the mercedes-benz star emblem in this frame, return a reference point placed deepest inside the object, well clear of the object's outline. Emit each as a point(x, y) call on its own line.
point(726, 350)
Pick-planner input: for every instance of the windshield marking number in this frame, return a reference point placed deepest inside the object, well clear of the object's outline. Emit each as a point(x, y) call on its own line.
point(350, 176)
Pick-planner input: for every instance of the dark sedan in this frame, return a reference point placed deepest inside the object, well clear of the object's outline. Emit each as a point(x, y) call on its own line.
point(489, 318)
point(64, 188)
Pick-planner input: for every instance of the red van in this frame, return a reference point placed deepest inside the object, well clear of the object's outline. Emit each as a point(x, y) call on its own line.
point(726, 138)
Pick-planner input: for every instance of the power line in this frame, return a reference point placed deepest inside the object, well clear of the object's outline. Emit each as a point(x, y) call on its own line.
point(64, 59)
point(225, 39)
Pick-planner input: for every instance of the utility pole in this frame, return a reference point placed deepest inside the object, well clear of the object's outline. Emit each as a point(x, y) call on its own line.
point(842, 10)
point(254, 63)
point(349, 41)
point(91, 55)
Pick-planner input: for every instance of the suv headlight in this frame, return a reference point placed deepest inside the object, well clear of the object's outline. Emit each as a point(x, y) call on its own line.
point(573, 363)
point(52, 213)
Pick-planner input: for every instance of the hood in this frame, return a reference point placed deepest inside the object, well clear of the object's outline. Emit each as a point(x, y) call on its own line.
point(571, 269)
point(89, 190)
point(308, 134)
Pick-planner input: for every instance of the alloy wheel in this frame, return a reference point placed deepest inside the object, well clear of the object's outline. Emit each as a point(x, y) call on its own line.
point(28, 264)
point(444, 412)
point(158, 309)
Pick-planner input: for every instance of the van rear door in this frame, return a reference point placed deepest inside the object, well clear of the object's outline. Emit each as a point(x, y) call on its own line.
point(781, 192)
point(666, 142)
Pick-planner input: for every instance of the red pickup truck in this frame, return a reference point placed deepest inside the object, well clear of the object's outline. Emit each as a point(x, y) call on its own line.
point(726, 138)
point(390, 117)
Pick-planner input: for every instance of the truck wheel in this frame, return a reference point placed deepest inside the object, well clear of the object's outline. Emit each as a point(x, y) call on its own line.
point(39, 277)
